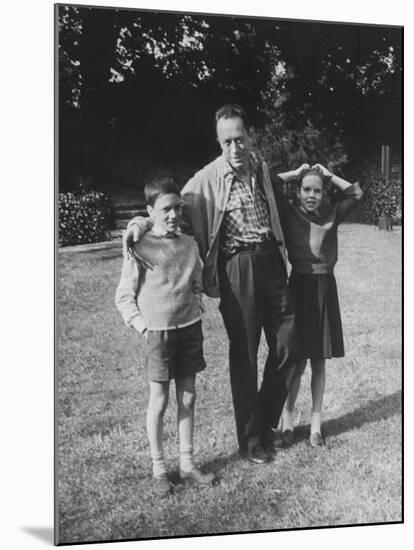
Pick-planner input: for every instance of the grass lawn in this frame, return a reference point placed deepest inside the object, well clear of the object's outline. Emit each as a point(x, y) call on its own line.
point(104, 471)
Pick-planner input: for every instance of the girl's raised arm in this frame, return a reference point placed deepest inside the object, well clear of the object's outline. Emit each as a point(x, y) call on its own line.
point(336, 180)
point(293, 174)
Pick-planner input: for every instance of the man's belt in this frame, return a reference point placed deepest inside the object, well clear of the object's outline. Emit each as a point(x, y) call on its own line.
point(253, 246)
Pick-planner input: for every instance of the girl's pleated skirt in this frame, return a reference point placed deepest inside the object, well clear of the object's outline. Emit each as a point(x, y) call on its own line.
point(318, 318)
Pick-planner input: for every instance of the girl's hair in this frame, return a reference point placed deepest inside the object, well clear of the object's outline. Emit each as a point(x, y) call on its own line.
point(159, 186)
point(328, 195)
point(310, 172)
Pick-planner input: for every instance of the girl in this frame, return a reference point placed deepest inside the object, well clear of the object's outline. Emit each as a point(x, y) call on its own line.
point(312, 243)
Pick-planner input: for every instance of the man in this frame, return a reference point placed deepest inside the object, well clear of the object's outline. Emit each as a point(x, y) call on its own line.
point(230, 208)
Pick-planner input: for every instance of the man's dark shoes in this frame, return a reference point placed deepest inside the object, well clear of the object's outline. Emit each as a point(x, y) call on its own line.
point(257, 455)
point(274, 441)
point(288, 438)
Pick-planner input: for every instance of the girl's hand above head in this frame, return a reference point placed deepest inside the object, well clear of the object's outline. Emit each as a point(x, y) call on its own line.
point(298, 171)
point(325, 171)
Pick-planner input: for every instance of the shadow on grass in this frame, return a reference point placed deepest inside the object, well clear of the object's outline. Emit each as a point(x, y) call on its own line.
point(214, 465)
point(373, 411)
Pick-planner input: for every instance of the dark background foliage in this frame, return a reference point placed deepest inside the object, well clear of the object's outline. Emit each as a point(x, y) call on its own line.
point(138, 91)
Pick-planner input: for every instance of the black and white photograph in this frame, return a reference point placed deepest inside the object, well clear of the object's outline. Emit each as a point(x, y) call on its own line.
point(228, 274)
point(226, 209)
point(229, 323)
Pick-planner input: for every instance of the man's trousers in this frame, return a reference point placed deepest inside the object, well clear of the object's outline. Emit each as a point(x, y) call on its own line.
point(255, 296)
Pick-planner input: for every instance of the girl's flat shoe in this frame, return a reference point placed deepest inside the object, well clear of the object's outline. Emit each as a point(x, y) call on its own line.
point(315, 439)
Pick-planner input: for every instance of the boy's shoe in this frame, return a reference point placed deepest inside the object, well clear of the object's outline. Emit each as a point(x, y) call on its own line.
point(162, 486)
point(196, 477)
point(315, 439)
point(288, 438)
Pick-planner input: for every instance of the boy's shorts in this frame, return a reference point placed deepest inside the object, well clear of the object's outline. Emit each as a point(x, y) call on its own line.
point(174, 353)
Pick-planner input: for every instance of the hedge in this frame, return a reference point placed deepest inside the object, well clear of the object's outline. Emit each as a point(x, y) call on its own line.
point(84, 217)
point(381, 199)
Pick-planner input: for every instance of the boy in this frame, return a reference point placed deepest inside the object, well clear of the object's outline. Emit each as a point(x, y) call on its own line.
point(159, 295)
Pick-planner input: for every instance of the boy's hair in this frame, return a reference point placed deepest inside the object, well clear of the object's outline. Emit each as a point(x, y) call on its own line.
point(162, 185)
point(232, 110)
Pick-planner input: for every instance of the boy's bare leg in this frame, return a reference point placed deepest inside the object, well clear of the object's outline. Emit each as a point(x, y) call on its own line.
point(157, 405)
point(292, 396)
point(186, 396)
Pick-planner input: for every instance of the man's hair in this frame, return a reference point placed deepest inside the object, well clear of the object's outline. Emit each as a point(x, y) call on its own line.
point(162, 185)
point(232, 110)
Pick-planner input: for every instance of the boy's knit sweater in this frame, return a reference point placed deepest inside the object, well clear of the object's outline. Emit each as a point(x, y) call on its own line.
point(166, 295)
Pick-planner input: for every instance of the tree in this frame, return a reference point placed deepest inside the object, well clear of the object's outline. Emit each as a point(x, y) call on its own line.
point(126, 74)
point(344, 78)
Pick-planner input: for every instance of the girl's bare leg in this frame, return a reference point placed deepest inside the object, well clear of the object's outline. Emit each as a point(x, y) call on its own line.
point(292, 396)
point(317, 389)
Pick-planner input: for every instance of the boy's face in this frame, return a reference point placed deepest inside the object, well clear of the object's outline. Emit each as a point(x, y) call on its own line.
point(166, 212)
point(311, 193)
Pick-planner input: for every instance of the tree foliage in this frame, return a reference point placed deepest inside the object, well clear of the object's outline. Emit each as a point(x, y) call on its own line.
point(149, 82)
point(345, 79)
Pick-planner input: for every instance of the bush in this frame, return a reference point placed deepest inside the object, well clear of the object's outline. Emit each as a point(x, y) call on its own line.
point(84, 217)
point(286, 149)
point(381, 199)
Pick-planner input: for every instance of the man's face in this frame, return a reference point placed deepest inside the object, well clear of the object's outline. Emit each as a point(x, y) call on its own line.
point(234, 142)
point(166, 212)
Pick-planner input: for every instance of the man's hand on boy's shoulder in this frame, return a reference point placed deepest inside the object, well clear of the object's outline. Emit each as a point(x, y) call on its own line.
point(136, 228)
point(142, 263)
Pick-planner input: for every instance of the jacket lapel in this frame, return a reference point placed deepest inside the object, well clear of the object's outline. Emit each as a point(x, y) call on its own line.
point(274, 213)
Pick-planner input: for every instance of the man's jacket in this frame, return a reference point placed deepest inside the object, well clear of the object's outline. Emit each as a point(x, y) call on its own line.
point(205, 198)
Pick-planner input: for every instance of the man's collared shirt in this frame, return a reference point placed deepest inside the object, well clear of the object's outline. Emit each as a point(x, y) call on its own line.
point(247, 218)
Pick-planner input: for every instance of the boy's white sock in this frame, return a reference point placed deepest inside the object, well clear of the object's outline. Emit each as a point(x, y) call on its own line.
point(158, 464)
point(287, 423)
point(316, 422)
point(186, 459)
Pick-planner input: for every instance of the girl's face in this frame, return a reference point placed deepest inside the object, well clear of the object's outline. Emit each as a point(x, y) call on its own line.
point(311, 193)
